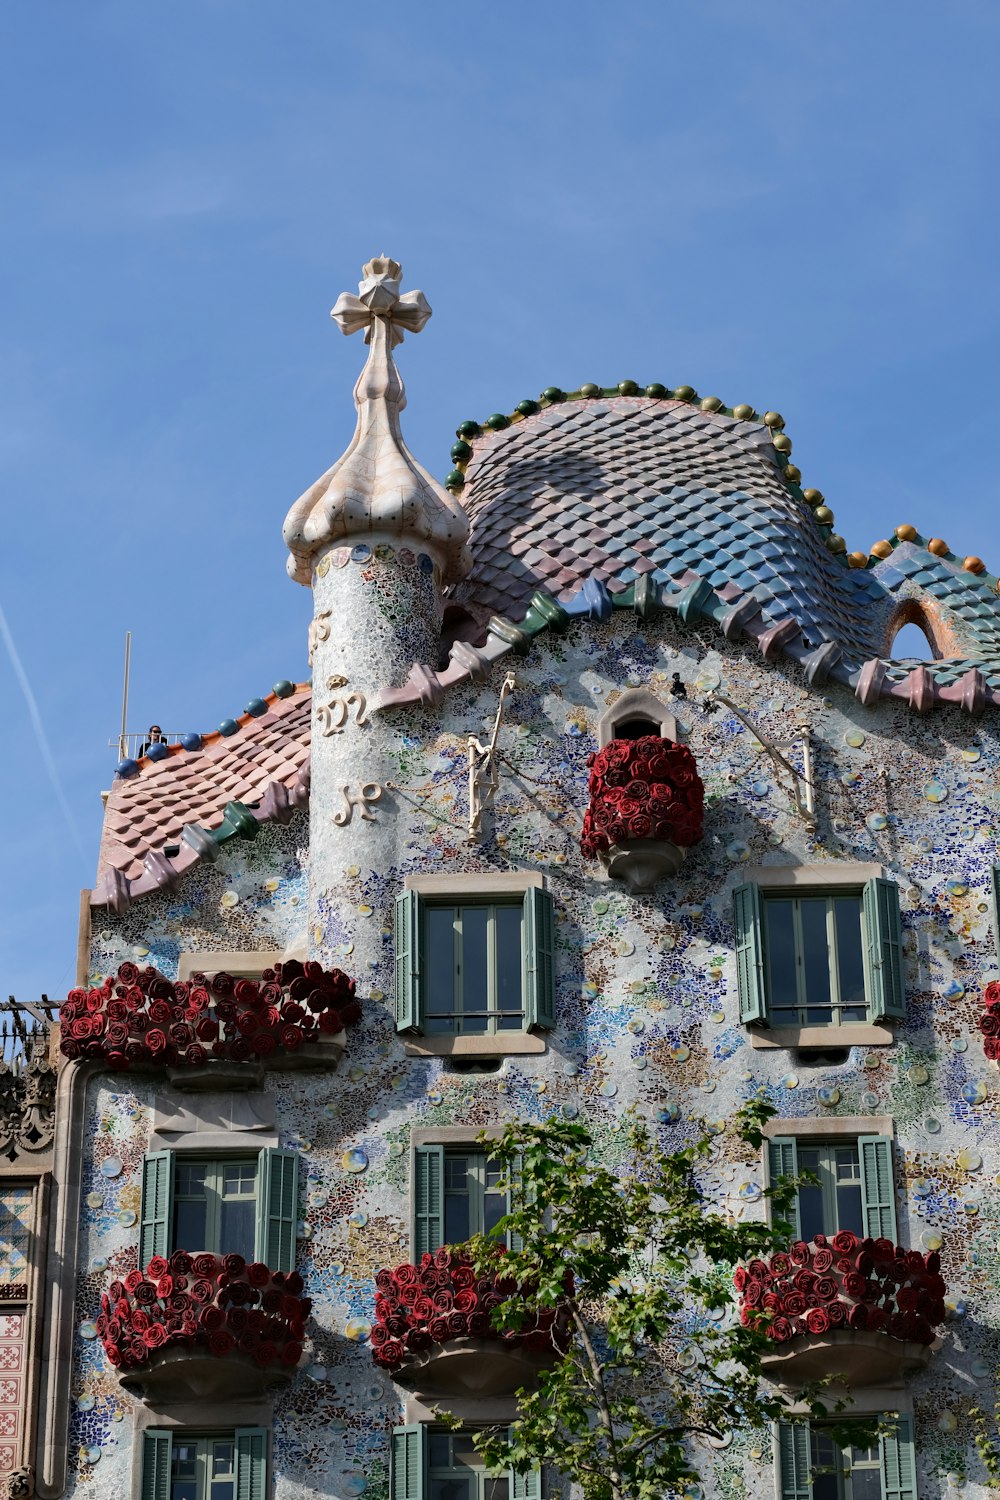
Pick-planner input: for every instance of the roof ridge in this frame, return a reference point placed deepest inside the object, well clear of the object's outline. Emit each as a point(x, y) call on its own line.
point(255, 709)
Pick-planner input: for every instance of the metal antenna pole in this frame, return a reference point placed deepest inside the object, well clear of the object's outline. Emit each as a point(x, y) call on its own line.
point(122, 742)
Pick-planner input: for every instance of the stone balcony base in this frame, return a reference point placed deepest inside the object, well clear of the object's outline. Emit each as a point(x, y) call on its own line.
point(196, 1375)
point(472, 1367)
point(642, 863)
point(851, 1357)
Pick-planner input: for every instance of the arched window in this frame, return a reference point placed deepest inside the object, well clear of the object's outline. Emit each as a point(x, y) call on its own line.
point(911, 634)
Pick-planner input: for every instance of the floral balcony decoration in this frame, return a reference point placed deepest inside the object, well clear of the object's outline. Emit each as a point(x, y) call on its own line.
point(865, 1287)
point(204, 1307)
point(140, 1018)
point(646, 809)
point(989, 1021)
point(439, 1314)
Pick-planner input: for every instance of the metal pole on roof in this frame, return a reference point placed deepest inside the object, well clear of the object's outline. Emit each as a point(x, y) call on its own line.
point(122, 741)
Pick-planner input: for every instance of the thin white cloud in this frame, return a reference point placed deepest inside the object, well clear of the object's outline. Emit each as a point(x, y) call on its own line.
point(39, 730)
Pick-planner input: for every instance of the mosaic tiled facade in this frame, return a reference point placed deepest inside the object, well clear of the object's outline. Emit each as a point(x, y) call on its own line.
point(647, 1010)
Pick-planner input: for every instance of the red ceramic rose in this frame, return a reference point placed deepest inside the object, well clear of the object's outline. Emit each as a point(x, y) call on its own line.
point(640, 789)
point(989, 1021)
point(265, 1319)
point(141, 1018)
point(844, 1282)
point(441, 1299)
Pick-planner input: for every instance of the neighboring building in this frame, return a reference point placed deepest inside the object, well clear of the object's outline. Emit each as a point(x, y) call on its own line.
point(828, 940)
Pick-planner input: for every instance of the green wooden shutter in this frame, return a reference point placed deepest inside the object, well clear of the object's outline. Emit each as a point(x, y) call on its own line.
point(428, 1199)
point(251, 1463)
point(409, 997)
point(409, 1463)
point(277, 1208)
point(157, 1210)
point(877, 1190)
point(883, 951)
point(751, 973)
point(794, 1463)
point(526, 1486)
point(899, 1465)
point(540, 968)
point(157, 1452)
point(783, 1161)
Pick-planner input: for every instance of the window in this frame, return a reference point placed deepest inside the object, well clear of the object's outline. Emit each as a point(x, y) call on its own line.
point(819, 958)
point(854, 1190)
point(239, 1205)
point(811, 1466)
point(456, 1194)
point(184, 1466)
point(431, 1465)
point(473, 965)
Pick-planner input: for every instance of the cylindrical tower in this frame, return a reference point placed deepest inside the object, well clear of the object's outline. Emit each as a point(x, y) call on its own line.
point(377, 539)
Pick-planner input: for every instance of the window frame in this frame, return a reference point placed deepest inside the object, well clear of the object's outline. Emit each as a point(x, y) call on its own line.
point(792, 1446)
point(799, 1017)
point(882, 953)
point(215, 1194)
point(428, 1188)
point(251, 1454)
point(410, 1470)
point(276, 1216)
point(538, 960)
point(492, 1013)
point(874, 1138)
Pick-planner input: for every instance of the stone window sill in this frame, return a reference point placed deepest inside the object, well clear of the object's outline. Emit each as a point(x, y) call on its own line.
point(822, 1038)
point(506, 1044)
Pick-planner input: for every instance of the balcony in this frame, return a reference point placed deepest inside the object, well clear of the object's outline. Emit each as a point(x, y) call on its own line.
point(434, 1332)
point(211, 1032)
point(646, 809)
point(198, 1327)
point(862, 1311)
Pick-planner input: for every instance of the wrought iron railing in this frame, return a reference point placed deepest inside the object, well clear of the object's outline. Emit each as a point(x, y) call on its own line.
point(130, 744)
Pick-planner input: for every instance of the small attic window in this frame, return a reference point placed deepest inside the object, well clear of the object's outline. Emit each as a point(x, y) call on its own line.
point(635, 713)
point(634, 729)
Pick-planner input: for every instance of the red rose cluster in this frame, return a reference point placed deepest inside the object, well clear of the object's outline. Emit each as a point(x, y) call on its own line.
point(140, 1017)
point(647, 788)
point(989, 1021)
point(212, 1302)
point(843, 1282)
point(442, 1299)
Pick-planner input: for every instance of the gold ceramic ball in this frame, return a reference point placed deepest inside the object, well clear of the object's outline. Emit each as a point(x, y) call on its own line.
point(938, 547)
point(907, 533)
point(792, 474)
point(782, 443)
point(743, 412)
point(824, 515)
point(881, 549)
point(712, 403)
point(836, 543)
point(813, 497)
point(974, 565)
point(773, 419)
point(857, 559)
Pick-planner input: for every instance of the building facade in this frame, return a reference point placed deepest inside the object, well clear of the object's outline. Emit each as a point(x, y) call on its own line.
point(333, 941)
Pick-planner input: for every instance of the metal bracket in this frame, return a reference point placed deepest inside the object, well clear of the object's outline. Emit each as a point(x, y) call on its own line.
point(803, 786)
point(484, 777)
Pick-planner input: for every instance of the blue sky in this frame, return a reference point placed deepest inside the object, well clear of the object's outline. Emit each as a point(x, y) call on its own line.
point(793, 205)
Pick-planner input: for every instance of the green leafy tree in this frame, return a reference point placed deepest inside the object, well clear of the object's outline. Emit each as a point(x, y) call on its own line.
point(986, 1430)
point(636, 1266)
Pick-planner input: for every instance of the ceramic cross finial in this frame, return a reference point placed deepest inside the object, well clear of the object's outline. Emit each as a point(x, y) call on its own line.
point(377, 490)
point(379, 297)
